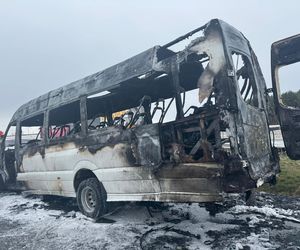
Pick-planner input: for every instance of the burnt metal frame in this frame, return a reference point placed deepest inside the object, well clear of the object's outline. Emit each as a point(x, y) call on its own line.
point(115, 76)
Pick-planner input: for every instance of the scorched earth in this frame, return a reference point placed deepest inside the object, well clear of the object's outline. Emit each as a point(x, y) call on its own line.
point(33, 223)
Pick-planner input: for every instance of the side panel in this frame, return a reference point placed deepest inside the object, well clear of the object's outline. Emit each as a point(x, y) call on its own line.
point(254, 139)
point(251, 120)
point(121, 159)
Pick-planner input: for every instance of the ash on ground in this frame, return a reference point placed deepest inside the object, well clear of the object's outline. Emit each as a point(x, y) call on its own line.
point(56, 223)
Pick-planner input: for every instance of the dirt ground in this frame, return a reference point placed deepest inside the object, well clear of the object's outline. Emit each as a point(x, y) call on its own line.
point(33, 223)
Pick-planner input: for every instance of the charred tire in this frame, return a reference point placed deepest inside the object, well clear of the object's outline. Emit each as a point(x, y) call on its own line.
point(2, 186)
point(213, 208)
point(250, 197)
point(91, 198)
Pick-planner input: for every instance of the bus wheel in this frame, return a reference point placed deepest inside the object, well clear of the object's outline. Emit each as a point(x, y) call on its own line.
point(250, 197)
point(2, 186)
point(91, 198)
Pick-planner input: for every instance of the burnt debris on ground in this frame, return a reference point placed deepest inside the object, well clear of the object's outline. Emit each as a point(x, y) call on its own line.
point(32, 223)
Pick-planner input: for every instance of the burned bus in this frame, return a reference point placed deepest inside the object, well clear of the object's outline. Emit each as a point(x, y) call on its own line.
point(167, 125)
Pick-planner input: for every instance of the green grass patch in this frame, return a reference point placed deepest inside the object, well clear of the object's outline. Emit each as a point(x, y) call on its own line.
point(288, 182)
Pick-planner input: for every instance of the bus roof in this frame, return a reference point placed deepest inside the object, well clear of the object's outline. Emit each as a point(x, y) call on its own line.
point(119, 75)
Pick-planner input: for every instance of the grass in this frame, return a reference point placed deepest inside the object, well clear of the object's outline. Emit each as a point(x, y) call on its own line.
point(288, 182)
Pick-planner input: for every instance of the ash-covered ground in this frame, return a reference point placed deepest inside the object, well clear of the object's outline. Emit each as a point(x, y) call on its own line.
point(33, 223)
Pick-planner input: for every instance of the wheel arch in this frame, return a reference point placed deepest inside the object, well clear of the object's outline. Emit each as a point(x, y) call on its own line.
point(82, 170)
point(81, 175)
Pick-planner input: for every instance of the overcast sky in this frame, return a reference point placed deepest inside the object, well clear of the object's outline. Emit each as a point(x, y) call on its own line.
point(47, 44)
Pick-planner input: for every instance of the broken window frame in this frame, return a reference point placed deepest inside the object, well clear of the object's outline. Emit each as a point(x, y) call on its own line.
point(175, 88)
point(68, 137)
point(251, 78)
point(35, 141)
point(280, 80)
point(4, 138)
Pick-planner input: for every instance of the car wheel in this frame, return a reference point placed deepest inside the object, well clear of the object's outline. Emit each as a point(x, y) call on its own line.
point(91, 198)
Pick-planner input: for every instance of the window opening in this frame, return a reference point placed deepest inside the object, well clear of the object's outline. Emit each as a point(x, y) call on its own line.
point(64, 121)
point(164, 111)
point(290, 91)
point(32, 130)
point(10, 138)
point(245, 78)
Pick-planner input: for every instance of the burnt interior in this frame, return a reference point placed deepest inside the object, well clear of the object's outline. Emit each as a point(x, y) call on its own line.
point(155, 85)
point(192, 138)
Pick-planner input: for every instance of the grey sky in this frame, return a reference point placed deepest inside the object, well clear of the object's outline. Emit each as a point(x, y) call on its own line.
point(46, 44)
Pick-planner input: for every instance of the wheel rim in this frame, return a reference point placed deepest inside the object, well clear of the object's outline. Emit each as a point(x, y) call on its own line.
point(88, 198)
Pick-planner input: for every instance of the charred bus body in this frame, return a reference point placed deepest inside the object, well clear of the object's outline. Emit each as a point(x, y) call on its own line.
point(110, 136)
